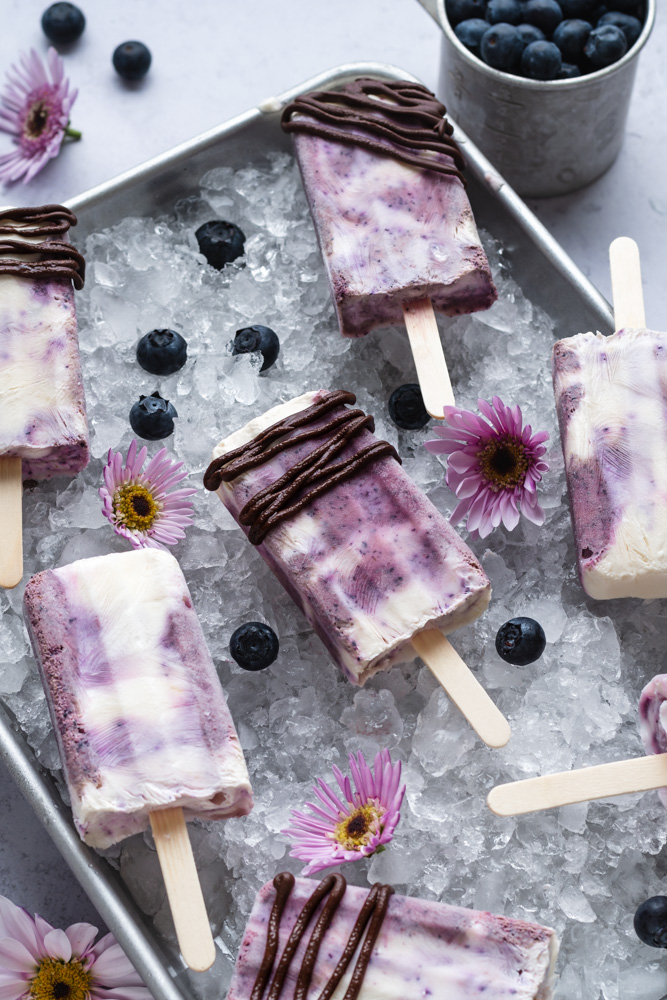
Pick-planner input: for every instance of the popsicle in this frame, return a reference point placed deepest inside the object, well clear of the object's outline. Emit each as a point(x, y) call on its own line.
point(43, 430)
point(375, 568)
point(383, 178)
point(610, 401)
point(143, 729)
point(328, 940)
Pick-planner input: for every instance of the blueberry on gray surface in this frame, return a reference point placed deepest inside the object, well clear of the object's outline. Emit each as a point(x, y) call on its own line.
point(470, 33)
point(501, 47)
point(568, 72)
point(578, 8)
point(530, 33)
point(630, 26)
point(541, 61)
point(460, 10)
point(131, 60)
point(406, 407)
point(507, 11)
point(254, 646)
point(651, 922)
point(63, 23)
point(570, 36)
point(546, 14)
point(257, 338)
point(152, 417)
point(162, 352)
point(520, 641)
point(220, 242)
point(605, 45)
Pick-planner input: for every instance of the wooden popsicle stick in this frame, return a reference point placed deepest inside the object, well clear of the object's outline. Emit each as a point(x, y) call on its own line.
point(462, 687)
point(11, 522)
point(434, 380)
point(183, 889)
point(626, 284)
point(599, 782)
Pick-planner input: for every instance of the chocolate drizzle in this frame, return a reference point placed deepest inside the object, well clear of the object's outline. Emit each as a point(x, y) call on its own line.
point(399, 119)
point(50, 257)
point(332, 890)
point(315, 474)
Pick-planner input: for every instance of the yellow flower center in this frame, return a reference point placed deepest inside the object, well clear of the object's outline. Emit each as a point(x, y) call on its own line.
point(504, 463)
point(58, 980)
point(135, 507)
point(358, 828)
point(36, 120)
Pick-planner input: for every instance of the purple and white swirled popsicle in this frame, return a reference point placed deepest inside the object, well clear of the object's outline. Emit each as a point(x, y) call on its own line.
point(653, 720)
point(335, 941)
point(139, 714)
point(610, 396)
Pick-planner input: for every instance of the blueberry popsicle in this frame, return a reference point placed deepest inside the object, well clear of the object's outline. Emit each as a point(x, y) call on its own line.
point(372, 564)
point(331, 941)
point(143, 729)
point(383, 179)
point(43, 430)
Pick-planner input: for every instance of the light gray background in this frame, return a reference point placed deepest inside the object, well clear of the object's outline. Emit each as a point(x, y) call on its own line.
point(215, 58)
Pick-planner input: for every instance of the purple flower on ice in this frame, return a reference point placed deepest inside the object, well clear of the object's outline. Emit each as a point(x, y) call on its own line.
point(494, 465)
point(35, 109)
point(41, 963)
point(354, 826)
point(139, 505)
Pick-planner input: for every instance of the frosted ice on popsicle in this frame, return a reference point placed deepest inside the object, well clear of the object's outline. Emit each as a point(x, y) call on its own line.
point(410, 949)
point(42, 406)
point(139, 714)
point(610, 396)
point(364, 554)
point(383, 180)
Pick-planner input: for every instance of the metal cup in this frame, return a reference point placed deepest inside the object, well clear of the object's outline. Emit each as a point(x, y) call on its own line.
point(545, 138)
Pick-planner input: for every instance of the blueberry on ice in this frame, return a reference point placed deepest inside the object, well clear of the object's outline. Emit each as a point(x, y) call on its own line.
point(220, 242)
point(541, 61)
point(63, 23)
point(605, 45)
point(507, 11)
point(254, 646)
point(651, 922)
point(530, 33)
point(470, 33)
point(257, 338)
point(152, 417)
point(546, 14)
point(406, 407)
point(162, 352)
point(132, 60)
point(630, 26)
point(570, 37)
point(520, 641)
point(460, 10)
point(501, 47)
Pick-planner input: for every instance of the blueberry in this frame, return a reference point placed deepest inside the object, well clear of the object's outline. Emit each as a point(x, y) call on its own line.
point(507, 11)
point(530, 33)
point(605, 45)
point(162, 352)
point(627, 6)
point(520, 641)
point(577, 8)
point(220, 242)
point(501, 47)
point(63, 23)
point(461, 10)
point(546, 14)
point(570, 37)
point(406, 407)
point(630, 26)
point(152, 417)
point(651, 922)
point(470, 33)
point(257, 338)
point(132, 60)
point(254, 646)
point(568, 72)
point(541, 61)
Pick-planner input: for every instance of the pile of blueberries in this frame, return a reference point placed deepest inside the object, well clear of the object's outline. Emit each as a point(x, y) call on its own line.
point(547, 39)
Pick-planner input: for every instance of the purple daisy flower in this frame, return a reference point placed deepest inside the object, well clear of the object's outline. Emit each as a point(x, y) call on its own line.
point(35, 109)
point(139, 505)
point(42, 963)
point(352, 827)
point(494, 465)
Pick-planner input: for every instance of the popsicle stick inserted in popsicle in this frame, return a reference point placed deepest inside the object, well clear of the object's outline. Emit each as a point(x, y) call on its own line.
point(626, 284)
point(11, 522)
point(462, 687)
point(600, 782)
point(183, 889)
point(429, 357)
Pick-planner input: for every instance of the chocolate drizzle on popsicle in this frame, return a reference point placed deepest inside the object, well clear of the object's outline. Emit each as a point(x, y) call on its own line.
point(46, 258)
point(332, 889)
point(400, 119)
point(307, 479)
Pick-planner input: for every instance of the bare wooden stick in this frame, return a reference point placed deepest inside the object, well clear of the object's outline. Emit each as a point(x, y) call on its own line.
point(183, 889)
point(434, 380)
point(11, 522)
point(600, 782)
point(462, 687)
point(626, 284)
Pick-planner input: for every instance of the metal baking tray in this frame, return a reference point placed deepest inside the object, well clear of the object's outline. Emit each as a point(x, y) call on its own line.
point(548, 277)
